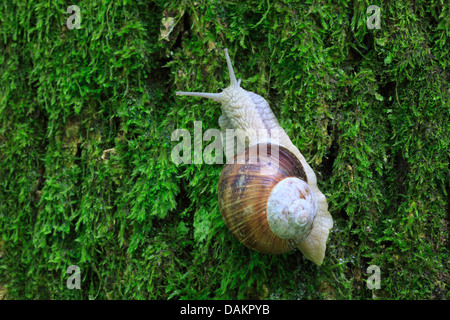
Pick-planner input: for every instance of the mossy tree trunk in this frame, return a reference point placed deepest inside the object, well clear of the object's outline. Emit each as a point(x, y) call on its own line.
point(86, 118)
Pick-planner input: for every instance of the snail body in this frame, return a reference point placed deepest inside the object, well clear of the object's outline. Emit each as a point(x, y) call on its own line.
point(270, 202)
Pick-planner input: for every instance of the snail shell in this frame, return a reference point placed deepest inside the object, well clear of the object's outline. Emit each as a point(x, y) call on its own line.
point(266, 201)
point(246, 193)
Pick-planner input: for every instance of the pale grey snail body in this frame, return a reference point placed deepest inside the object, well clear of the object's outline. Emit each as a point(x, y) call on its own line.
point(269, 208)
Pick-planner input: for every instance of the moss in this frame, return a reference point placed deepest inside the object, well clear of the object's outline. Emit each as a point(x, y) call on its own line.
point(85, 143)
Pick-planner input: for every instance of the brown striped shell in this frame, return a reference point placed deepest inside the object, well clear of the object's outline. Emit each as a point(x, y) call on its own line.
point(244, 189)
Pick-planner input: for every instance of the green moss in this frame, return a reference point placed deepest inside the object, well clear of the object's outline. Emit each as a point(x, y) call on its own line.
point(85, 142)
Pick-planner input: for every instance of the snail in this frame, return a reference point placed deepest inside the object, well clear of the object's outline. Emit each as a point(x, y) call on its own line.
point(270, 201)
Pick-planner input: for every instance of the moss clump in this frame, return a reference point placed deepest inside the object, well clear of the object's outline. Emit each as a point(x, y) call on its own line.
point(85, 141)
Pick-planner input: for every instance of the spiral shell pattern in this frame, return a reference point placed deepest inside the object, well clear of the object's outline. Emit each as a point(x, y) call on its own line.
point(244, 190)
